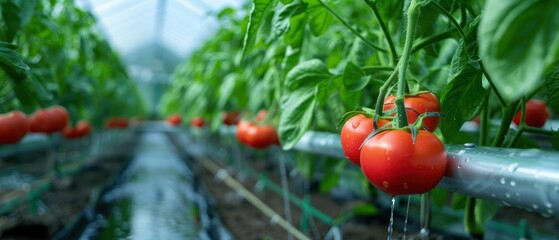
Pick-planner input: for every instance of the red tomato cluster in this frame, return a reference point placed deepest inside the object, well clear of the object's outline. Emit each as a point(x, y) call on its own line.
point(116, 122)
point(256, 136)
point(82, 129)
point(49, 120)
point(536, 114)
point(197, 122)
point(392, 160)
point(13, 127)
point(230, 118)
point(174, 119)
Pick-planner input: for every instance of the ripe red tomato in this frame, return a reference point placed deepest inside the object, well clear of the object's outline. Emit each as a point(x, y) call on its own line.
point(49, 120)
point(197, 122)
point(397, 166)
point(174, 120)
point(82, 129)
point(536, 114)
point(13, 127)
point(421, 103)
point(242, 129)
point(116, 122)
point(354, 132)
point(59, 118)
point(230, 118)
point(260, 136)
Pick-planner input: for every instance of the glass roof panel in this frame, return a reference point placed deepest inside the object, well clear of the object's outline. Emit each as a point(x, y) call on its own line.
point(178, 25)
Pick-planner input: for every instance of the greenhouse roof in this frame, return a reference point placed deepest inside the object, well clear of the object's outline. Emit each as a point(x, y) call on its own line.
point(179, 26)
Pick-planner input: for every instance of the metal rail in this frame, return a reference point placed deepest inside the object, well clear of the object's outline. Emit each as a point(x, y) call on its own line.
point(524, 178)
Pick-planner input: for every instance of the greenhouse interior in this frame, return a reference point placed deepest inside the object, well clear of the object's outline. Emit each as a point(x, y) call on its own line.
point(279, 119)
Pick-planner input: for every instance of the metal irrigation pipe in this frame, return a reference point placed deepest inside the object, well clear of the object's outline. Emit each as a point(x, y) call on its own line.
point(255, 201)
point(524, 178)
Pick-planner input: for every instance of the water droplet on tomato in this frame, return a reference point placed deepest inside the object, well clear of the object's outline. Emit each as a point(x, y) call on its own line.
point(503, 181)
point(405, 185)
point(512, 183)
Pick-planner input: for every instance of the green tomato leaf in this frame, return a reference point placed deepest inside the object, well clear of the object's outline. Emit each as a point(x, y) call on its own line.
point(354, 78)
point(259, 10)
point(9, 57)
point(552, 89)
point(296, 34)
point(281, 18)
point(308, 73)
point(519, 42)
point(319, 19)
point(297, 113)
point(226, 89)
point(464, 88)
point(27, 11)
point(11, 18)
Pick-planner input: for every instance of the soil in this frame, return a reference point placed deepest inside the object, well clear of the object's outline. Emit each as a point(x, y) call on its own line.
point(63, 201)
point(247, 222)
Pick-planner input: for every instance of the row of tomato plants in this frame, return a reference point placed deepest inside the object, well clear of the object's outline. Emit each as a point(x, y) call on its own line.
point(420, 68)
point(52, 54)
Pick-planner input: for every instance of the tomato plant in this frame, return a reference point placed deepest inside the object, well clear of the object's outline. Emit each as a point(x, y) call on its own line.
point(197, 122)
point(399, 165)
point(312, 61)
point(242, 130)
point(536, 114)
point(417, 105)
point(353, 134)
point(13, 127)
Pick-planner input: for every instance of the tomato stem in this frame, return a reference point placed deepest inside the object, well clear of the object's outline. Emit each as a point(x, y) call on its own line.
point(389, 42)
point(484, 122)
point(471, 227)
point(499, 97)
point(424, 42)
point(382, 92)
point(413, 15)
point(506, 119)
point(521, 125)
point(450, 17)
point(346, 24)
